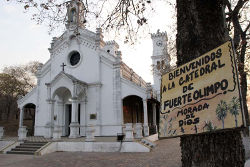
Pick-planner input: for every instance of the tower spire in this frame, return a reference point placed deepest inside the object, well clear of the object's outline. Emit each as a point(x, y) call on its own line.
point(75, 15)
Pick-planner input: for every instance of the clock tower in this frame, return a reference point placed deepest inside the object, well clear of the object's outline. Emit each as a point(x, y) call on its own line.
point(160, 58)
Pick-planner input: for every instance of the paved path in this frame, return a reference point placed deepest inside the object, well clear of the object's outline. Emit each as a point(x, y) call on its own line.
point(166, 154)
point(247, 164)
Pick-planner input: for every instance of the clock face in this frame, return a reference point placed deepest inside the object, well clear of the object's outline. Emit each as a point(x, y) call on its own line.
point(74, 58)
point(159, 43)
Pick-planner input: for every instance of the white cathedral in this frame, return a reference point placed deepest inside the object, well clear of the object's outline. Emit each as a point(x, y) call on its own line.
point(85, 84)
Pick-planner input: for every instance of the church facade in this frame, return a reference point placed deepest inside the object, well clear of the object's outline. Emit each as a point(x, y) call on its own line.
point(86, 84)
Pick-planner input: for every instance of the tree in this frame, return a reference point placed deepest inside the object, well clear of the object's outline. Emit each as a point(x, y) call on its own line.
point(10, 89)
point(201, 26)
point(15, 81)
point(238, 23)
point(221, 111)
point(24, 74)
point(234, 108)
point(126, 15)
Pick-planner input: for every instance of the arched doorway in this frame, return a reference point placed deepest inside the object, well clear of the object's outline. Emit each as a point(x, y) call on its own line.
point(62, 109)
point(133, 109)
point(29, 118)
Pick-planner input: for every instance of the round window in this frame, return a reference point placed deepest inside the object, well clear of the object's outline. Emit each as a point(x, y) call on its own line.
point(74, 58)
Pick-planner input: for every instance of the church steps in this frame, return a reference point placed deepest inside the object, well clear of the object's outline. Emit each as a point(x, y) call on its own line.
point(34, 147)
point(24, 149)
point(28, 148)
point(32, 144)
point(21, 152)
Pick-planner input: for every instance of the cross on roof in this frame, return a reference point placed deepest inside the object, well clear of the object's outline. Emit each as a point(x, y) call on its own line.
point(63, 65)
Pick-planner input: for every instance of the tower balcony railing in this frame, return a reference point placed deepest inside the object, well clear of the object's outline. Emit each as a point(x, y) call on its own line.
point(129, 74)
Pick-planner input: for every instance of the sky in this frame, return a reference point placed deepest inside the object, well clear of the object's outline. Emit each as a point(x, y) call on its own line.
point(22, 40)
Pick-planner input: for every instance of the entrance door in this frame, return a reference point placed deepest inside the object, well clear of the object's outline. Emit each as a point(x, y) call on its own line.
point(68, 119)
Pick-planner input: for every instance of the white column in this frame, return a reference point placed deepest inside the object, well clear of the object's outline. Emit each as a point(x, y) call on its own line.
point(145, 125)
point(74, 112)
point(21, 117)
point(154, 114)
point(51, 111)
point(57, 133)
point(60, 106)
point(154, 117)
point(50, 124)
point(74, 126)
point(22, 131)
point(83, 118)
point(86, 113)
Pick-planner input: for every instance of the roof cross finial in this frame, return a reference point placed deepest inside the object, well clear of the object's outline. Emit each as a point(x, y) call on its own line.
point(63, 65)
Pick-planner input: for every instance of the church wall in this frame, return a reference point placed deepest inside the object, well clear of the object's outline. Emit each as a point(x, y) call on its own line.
point(42, 114)
point(29, 98)
point(107, 96)
point(86, 70)
point(91, 104)
point(109, 117)
point(129, 88)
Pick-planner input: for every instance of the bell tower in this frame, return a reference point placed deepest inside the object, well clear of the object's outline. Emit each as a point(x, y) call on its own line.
point(75, 15)
point(160, 58)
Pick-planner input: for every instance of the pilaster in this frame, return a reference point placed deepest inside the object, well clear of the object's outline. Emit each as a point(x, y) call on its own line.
point(83, 116)
point(117, 100)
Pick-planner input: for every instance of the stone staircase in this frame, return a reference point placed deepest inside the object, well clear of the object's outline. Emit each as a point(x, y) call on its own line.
point(148, 143)
point(28, 148)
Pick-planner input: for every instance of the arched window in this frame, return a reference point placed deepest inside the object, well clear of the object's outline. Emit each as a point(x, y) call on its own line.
point(72, 15)
point(158, 65)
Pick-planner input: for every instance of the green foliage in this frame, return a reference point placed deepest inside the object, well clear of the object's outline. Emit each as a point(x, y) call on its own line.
point(209, 126)
point(234, 106)
point(221, 111)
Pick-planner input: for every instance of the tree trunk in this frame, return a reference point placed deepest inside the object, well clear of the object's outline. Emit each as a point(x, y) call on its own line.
point(243, 79)
point(200, 28)
point(222, 123)
point(236, 122)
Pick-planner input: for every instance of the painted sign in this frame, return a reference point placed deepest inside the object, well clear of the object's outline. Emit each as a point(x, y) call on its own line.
point(202, 95)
